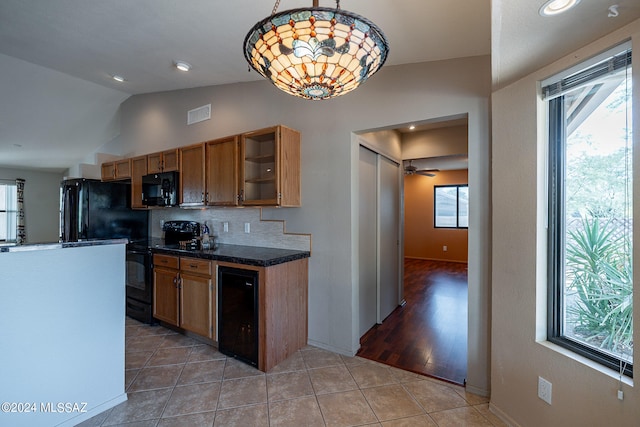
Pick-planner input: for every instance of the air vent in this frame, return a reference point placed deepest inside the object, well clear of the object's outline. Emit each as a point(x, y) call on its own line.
point(199, 114)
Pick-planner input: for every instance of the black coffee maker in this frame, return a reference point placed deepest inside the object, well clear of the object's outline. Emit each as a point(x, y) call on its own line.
point(182, 234)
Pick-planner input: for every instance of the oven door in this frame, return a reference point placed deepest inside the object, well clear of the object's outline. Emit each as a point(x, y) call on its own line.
point(139, 286)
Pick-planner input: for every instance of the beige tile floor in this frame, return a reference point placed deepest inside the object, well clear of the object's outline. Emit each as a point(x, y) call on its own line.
point(173, 380)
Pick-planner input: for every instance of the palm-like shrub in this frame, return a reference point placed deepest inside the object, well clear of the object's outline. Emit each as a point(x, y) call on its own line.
point(600, 271)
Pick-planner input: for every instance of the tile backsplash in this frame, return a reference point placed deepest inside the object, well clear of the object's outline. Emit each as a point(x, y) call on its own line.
point(266, 233)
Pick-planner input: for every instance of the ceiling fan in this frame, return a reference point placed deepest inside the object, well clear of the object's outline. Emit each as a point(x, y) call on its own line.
point(412, 170)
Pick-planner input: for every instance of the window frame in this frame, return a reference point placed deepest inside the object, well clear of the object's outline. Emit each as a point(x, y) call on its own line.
point(435, 206)
point(556, 242)
point(8, 184)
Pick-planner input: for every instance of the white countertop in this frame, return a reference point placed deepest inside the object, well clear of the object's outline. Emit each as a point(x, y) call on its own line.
point(59, 245)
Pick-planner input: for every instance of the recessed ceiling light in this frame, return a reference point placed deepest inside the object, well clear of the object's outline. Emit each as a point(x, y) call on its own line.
point(412, 127)
point(556, 7)
point(118, 78)
point(183, 66)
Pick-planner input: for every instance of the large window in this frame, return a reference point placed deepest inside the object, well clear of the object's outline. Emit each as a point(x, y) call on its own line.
point(590, 210)
point(8, 211)
point(451, 206)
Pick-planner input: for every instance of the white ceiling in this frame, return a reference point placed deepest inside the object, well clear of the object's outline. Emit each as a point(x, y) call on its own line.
point(59, 103)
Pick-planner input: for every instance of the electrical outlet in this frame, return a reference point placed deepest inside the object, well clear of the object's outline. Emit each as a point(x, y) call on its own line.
point(225, 227)
point(444, 249)
point(247, 227)
point(544, 390)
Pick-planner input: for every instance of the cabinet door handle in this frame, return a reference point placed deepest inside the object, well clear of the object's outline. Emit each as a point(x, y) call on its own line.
point(202, 198)
point(193, 265)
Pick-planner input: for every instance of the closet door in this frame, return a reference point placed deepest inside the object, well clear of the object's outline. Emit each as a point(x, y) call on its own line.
point(379, 241)
point(368, 240)
point(388, 236)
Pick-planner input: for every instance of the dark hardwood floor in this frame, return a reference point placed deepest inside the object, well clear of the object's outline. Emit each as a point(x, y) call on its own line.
point(428, 335)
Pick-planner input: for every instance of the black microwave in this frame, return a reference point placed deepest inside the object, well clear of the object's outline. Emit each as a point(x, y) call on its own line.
point(160, 189)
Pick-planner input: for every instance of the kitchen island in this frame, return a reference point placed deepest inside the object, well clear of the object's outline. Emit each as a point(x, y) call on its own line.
point(62, 331)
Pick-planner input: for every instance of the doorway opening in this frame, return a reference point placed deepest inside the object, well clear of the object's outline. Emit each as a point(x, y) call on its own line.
point(427, 332)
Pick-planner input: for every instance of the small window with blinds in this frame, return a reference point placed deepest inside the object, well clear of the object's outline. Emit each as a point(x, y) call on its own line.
point(590, 217)
point(8, 211)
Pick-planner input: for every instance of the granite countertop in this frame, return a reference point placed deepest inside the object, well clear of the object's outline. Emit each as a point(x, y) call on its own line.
point(59, 245)
point(237, 254)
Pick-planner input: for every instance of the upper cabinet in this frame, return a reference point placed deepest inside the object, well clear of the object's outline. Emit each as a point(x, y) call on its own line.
point(192, 175)
point(259, 168)
point(138, 170)
point(222, 172)
point(270, 167)
point(119, 169)
point(164, 161)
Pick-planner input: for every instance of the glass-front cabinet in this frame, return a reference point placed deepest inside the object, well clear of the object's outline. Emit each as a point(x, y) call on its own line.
point(270, 167)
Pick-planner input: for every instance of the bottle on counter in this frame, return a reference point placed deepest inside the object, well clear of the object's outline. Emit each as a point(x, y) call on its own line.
point(206, 244)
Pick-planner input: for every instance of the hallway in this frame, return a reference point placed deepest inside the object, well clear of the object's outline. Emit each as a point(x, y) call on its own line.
point(428, 335)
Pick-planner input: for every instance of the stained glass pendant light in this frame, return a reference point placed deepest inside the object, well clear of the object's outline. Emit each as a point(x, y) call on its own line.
point(317, 52)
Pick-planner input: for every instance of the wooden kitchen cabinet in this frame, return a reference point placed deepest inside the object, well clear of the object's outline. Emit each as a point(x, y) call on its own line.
point(138, 170)
point(165, 288)
point(282, 309)
point(184, 293)
point(192, 175)
point(108, 171)
point(270, 167)
point(164, 161)
point(197, 297)
point(259, 168)
point(222, 172)
point(119, 169)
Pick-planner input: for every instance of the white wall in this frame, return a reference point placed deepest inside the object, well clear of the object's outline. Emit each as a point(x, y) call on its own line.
point(398, 94)
point(584, 394)
point(41, 202)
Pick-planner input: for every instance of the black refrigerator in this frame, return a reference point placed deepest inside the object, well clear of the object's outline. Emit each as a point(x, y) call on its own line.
point(92, 209)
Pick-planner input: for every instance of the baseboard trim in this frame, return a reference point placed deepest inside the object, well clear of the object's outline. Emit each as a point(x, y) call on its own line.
point(94, 411)
point(436, 259)
point(503, 416)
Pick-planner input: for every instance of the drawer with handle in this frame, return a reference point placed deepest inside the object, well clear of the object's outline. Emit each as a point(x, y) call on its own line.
point(167, 261)
point(196, 265)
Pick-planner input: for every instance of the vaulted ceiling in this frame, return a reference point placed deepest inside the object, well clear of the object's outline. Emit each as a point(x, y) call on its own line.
point(57, 56)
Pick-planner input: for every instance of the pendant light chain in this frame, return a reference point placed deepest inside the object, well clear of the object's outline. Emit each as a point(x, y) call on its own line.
point(275, 7)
